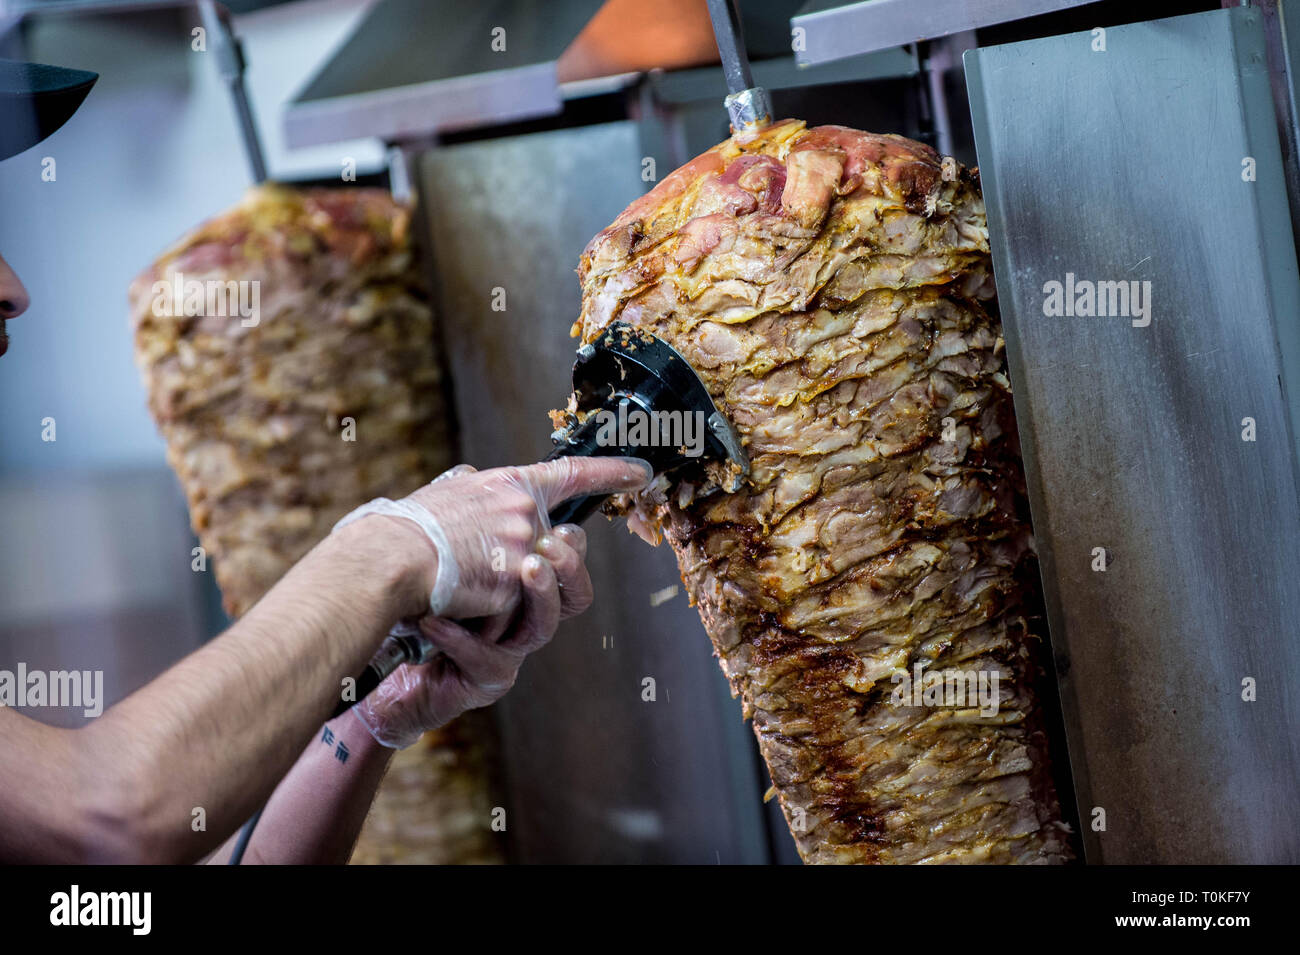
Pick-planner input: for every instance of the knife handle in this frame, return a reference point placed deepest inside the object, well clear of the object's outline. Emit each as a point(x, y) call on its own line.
point(405, 643)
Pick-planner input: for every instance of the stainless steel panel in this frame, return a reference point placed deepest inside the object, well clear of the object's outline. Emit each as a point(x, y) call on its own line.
point(1128, 165)
point(415, 68)
point(594, 772)
point(833, 29)
point(410, 112)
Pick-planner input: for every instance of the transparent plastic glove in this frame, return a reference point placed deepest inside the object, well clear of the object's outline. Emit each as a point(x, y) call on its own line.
point(482, 524)
point(477, 668)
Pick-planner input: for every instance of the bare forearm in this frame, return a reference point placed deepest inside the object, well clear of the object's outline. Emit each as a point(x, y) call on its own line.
point(315, 815)
point(177, 767)
point(46, 796)
point(184, 761)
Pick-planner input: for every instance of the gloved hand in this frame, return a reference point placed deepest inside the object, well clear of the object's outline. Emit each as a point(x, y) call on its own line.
point(485, 528)
point(482, 524)
point(477, 668)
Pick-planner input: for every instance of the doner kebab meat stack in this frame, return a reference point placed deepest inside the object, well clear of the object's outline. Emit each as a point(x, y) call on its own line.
point(287, 347)
point(833, 289)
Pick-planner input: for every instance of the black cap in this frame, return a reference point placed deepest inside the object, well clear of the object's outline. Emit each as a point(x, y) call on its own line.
point(35, 100)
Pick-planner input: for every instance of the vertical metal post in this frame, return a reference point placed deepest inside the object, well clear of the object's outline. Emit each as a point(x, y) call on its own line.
point(748, 105)
point(230, 63)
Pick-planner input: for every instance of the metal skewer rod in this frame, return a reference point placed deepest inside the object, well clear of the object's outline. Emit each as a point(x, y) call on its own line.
point(230, 63)
point(749, 106)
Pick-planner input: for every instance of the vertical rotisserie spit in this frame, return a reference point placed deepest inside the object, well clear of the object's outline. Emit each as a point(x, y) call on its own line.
point(833, 290)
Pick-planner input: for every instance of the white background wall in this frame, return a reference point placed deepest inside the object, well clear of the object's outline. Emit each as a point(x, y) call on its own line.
point(152, 152)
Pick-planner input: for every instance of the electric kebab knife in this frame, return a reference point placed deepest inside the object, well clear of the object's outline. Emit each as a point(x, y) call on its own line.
point(623, 375)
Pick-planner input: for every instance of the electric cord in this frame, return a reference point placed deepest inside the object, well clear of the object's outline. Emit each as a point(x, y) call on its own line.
point(245, 834)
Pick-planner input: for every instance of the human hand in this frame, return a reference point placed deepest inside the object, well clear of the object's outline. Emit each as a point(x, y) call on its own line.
point(475, 669)
point(478, 526)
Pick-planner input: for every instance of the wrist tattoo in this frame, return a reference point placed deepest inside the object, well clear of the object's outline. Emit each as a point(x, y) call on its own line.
point(341, 751)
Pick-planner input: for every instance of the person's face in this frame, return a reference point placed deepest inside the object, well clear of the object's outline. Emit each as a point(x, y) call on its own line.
point(13, 300)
